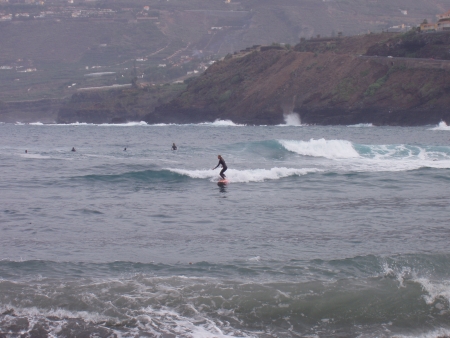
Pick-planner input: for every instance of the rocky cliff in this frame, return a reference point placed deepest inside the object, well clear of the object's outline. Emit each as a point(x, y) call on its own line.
point(116, 105)
point(45, 111)
point(325, 81)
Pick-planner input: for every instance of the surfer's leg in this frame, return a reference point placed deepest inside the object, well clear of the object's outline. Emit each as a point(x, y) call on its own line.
point(222, 173)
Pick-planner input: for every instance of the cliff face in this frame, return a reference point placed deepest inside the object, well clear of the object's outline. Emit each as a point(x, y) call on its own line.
point(415, 45)
point(333, 86)
point(115, 106)
point(44, 111)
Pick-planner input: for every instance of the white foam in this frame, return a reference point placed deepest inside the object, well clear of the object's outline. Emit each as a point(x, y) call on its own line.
point(321, 148)
point(255, 259)
point(441, 126)
point(401, 275)
point(245, 176)
point(221, 123)
point(35, 156)
point(216, 123)
point(435, 289)
point(347, 156)
point(70, 124)
point(127, 124)
point(184, 327)
point(437, 333)
point(361, 125)
point(20, 124)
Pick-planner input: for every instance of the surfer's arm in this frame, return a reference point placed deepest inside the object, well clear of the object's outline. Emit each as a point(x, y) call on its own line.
point(216, 166)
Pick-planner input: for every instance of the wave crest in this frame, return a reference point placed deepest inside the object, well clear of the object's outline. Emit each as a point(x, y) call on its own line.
point(361, 125)
point(249, 175)
point(321, 148)
point(221, 123)
point(441, 126)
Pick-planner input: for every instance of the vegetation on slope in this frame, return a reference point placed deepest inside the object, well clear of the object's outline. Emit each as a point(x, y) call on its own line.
point(116, 106)
point(330, 87)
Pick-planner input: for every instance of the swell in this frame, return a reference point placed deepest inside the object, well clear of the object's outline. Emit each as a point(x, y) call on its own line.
point(418, 265)
point(145, 175)
point(406, 294)
point(180, 175)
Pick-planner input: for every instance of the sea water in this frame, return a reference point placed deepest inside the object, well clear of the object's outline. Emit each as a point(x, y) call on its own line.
point(321, 232)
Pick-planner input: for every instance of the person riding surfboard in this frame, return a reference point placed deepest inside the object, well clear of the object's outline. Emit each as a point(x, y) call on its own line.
point(224, 166)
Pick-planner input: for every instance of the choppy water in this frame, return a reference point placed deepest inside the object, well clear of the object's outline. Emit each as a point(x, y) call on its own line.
point(322, 231)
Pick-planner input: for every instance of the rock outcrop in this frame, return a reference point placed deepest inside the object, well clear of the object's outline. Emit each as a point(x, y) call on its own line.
point(332, 83)
point(45, 111)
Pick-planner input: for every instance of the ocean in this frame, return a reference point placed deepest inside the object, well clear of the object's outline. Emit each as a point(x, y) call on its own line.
point(322, 231)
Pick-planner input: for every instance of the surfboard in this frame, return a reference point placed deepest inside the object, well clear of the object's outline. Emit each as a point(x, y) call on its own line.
point(222, 182)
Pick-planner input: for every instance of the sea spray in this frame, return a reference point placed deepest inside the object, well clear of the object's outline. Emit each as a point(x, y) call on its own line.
point(292, 119)
point(441, 126)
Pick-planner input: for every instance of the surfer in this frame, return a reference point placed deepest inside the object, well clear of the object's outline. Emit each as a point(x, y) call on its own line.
point(224, 166)
point(73, 149)
point(26, 151)
point(174, 147)
point(124, 149)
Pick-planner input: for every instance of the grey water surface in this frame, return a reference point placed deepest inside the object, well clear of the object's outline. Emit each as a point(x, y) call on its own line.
point(322, 231)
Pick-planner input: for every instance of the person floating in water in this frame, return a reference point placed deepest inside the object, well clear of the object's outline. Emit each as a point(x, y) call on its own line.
point(73, 149)
point(124, 149)
point(174, 147)
point(224, 166)
point(26, 151)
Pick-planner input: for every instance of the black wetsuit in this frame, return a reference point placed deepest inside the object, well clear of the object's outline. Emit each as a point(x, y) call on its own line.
point(224, 168)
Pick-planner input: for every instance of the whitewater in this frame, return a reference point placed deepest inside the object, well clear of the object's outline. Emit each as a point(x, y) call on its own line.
point(321, 232)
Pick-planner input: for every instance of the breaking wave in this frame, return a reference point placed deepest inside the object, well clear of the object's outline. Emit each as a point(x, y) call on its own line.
point(216, 123)
point(249, 175)
point(348, 156)
point(321, 148)
point(408, 294)
point(361, 125)
point(221, 123)
point(342, 149)
point(127, 124)
point(441, 126)
point(170, 174)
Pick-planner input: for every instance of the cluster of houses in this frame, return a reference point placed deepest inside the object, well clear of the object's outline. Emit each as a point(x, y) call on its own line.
point(60, 13)
point(443, 24)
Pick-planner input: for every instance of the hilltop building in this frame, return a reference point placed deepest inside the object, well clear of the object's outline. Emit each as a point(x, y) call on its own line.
point(445, 16)
point(442, 25)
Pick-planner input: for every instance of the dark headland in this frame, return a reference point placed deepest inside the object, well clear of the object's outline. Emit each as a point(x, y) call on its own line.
point(384, 79)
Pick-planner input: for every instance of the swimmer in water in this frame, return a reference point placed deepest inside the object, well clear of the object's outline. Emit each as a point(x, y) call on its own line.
point(73, 149)
point(224, 166)
point(174, 147)
point(124, 149)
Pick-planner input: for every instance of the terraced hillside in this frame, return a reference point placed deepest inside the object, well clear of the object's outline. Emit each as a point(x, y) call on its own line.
point(46, 51)
point(324, 87)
